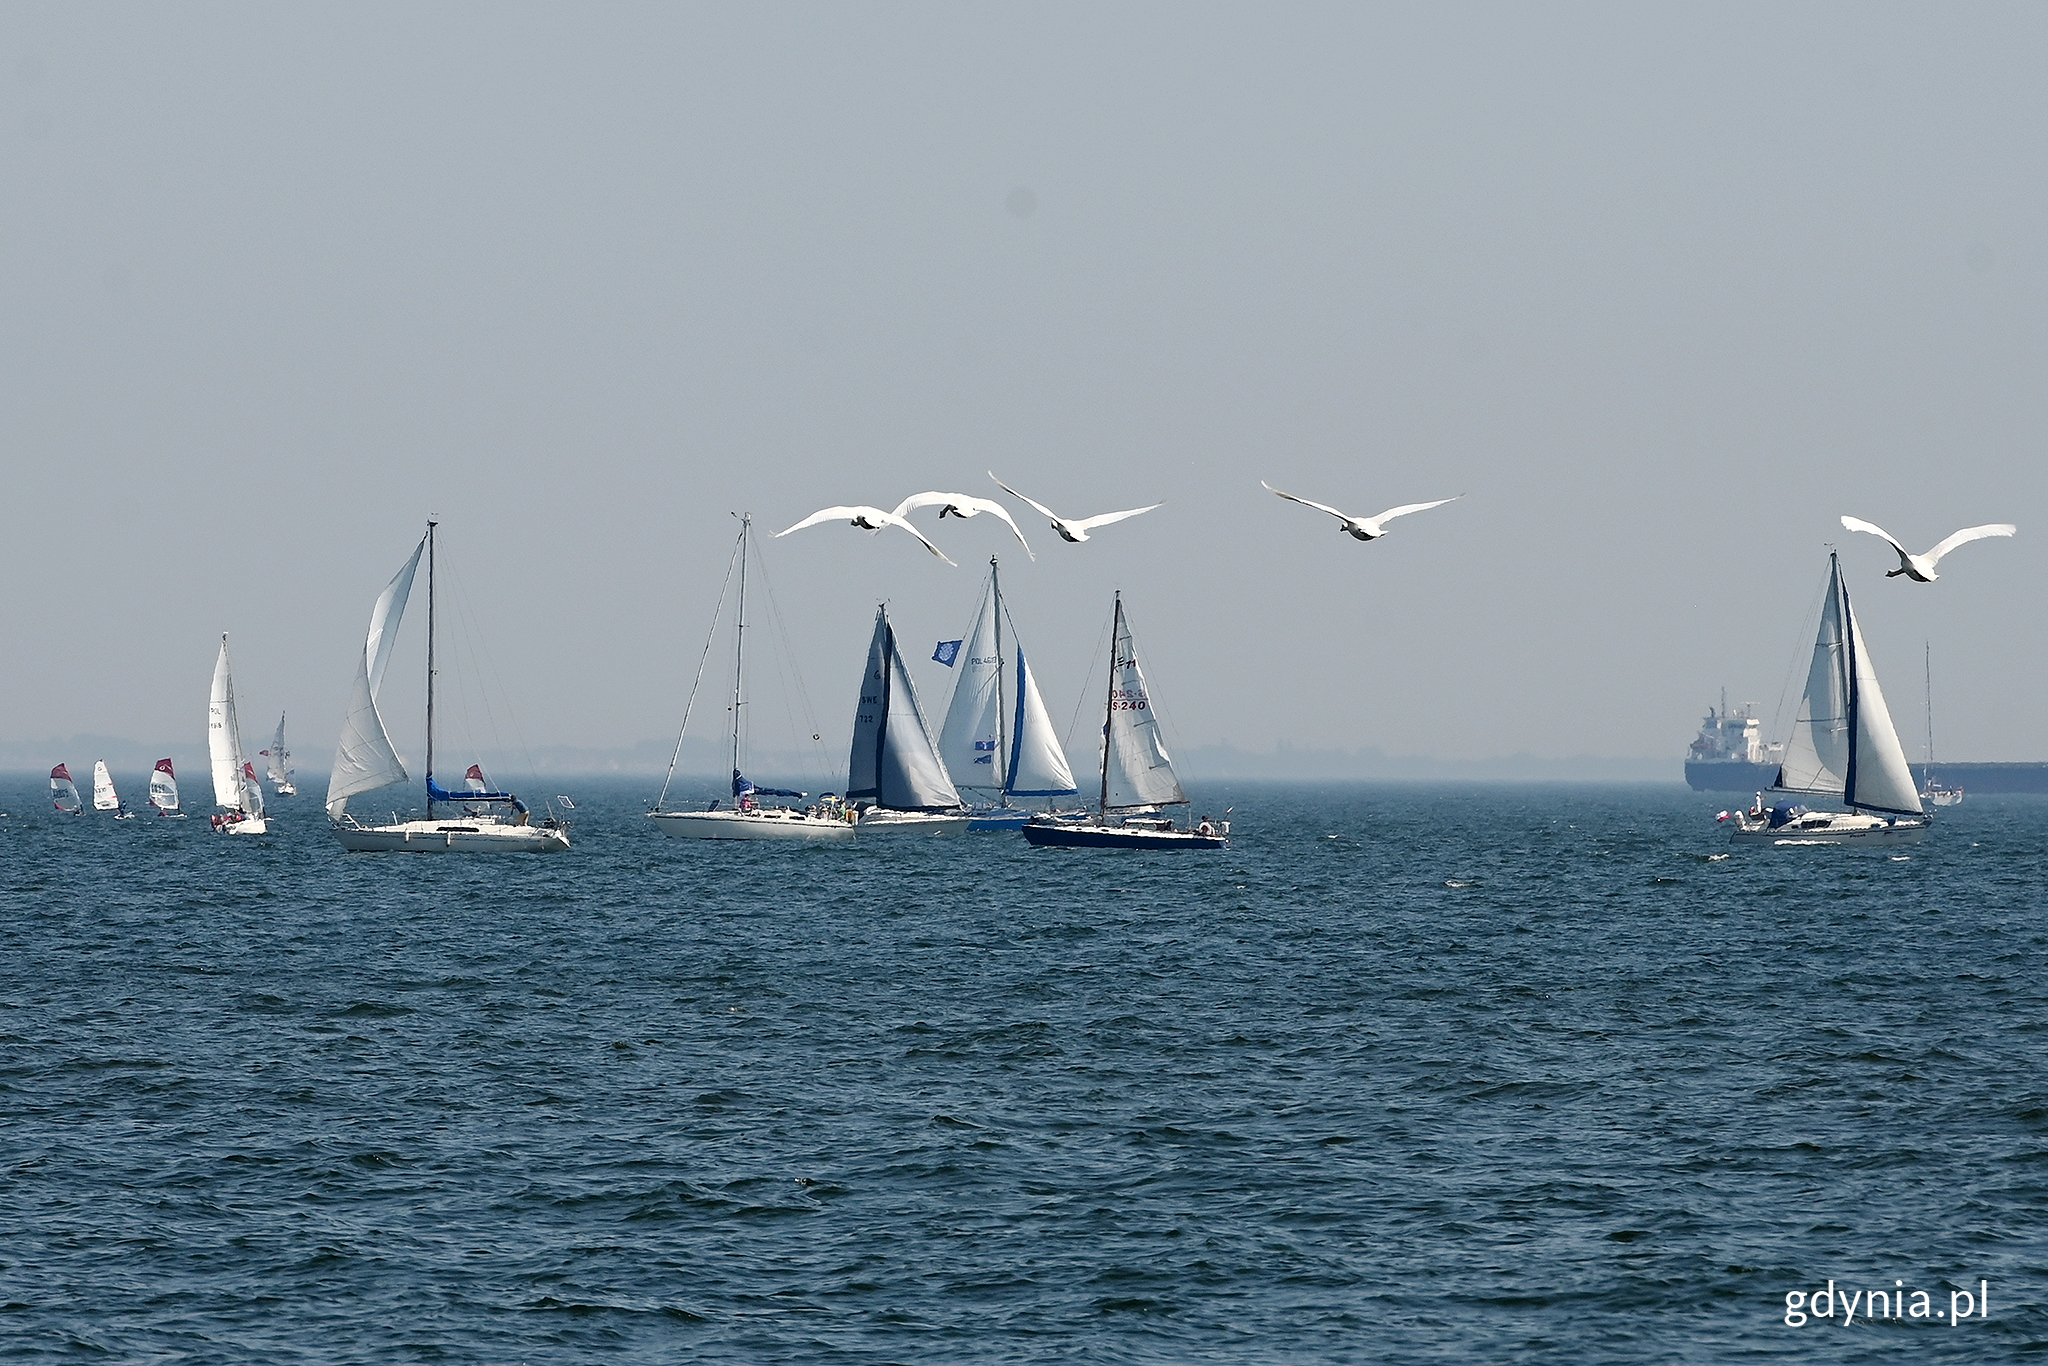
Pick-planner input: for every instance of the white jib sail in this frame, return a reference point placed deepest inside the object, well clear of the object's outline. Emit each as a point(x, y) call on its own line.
point(1817, 752)
point(971, 740)
point(163, 787)
point(364, 758)
point(223, 737)
point(1137, 770)
point(1880, 777)
point(1038, 766)
point(277, 754)
point(103, 795)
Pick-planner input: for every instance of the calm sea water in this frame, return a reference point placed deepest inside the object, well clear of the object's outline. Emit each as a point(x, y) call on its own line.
point(1409, 1073)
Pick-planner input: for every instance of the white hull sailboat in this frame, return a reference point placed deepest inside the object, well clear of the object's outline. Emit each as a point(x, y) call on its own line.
point(748, 819)
point(238, 796)
point(365, 760)
point(894, 765)
point(998, 742)
point(1843, 746)
point(1933, 790)
point(1137, 773)
point(281, 771)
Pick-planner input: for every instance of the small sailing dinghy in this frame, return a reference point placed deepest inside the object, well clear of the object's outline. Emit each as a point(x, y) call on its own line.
point(163, 791)
point(104, 798)
point(365, 760)
point(63, 790)
point(748, 819)
point(894, 769)
point(1137, 773)
point(240, 800)
point(1843, 746)
point(998, 742)
point(280, 763)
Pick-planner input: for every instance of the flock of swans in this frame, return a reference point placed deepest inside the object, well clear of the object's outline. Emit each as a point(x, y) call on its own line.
point(1074, 530)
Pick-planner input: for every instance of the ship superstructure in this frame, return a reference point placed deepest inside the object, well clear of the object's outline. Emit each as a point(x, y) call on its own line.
point(1731, 754)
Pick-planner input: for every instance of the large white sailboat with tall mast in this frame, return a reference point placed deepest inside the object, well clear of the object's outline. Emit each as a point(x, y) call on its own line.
point(894, 769)
point(1137, 773)
point(997, 740)
point(365, 760)
point(238, 796)
point(1843, 746)
point(747, 819)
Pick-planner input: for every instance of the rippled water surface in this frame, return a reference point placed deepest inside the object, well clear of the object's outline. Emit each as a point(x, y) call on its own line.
point(1408, 1073)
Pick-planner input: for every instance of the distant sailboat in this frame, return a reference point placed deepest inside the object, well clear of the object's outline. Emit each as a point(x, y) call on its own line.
point(894, 765)
point(1137, 773)
point(104, 798)
point(998, 742)
point(240, 800)
point(1932, 790)
point(364, 759)
point(748, 819)
point(280, 763)
point(163, 791)
point(63, 790)
point(1843, 746)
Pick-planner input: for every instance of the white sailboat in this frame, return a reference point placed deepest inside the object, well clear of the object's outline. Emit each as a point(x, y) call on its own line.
point(63, 790)
point(1933, 790)
point(998, 742)
point(748, 819)
point(1137, 773)
point(894, 767)
point(163, 791)
point(364, 759)
point(1843, 746)
point(104, 798)
point(241, 801)
point(280, 763)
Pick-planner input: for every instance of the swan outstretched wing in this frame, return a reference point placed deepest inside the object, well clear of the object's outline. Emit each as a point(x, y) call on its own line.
point(1858, 524)
point(1319, 507)
point(845, 514)
point(1406, 508)
point(1042, 508)
point(1090, 523)
point(1967, 534)
point(968, 506)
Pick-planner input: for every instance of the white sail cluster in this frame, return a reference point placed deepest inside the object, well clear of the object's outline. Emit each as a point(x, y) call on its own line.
point(998, 741)
point(364, 758)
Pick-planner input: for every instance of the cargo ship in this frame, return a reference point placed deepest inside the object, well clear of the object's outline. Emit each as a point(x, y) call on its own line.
point(1731, 754)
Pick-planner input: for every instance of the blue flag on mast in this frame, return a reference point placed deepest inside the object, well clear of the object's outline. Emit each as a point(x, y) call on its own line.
point(948, 651)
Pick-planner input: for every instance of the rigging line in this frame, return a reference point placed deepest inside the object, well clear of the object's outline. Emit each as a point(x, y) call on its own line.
point(488, 677)
point(710, 635)
point(1800, 660)
point(1086, 695)
point(786, 667)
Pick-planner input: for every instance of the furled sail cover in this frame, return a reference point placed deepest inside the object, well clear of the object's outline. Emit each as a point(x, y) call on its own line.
point(970, 740)
point(163, 787)
point(1038, 766)
point(894, 762)
point(364, 759)
point(1878, 775)
point(1137, 771)
point(223, 736)
point(1817, 752)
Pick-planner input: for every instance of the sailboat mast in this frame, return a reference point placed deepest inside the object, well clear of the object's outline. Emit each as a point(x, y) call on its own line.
point(739, 637)
point(1116, 631)
point(1927, 690)
point(430, 669)
point(1849, 689)
point(1002, 730)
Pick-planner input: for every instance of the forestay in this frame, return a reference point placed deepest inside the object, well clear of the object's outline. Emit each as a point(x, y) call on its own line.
point(894, 762)
point(364, 758)
point(1136, 770)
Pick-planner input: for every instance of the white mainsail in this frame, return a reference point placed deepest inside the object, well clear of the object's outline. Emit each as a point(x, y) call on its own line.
point(104, 798)
point(163, 787)
point(894, 762)
point(1136, 770)
point(998, 740)
point(224, 736)
point(364, 758)
point(279, 755)
point(1843, 743)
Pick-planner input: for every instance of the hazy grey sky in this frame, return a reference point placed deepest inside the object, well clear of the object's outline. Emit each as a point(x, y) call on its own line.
point(1663, 291)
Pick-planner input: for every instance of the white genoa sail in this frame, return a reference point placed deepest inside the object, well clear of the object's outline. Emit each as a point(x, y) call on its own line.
point(1843, 743)
point(104, 798)
point(223, 735)
point(894, 762)
point(364, 758)
point(1038, 766)
point(163, 787)
point(1136, 769)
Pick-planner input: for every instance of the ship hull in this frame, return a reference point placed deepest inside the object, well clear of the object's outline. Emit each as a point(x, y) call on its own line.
point(1064, 835)
point(1729, 775)
point(771, 823)
point(450, 837)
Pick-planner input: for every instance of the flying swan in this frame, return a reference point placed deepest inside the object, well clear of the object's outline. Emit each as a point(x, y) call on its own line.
point(961, 505)
point(867, 519)
point(1920, 568)
point(1364, 528)
point(1073, 529)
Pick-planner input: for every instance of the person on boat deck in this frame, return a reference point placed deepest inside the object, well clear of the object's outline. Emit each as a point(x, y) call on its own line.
point(1206, 827)
point(746, 801)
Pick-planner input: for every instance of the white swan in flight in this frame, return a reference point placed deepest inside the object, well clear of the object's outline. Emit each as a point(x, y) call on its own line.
point(961, 505)
point(1920, 568)
point(867, 519)
point(1073, 529)
point(1364, 528)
